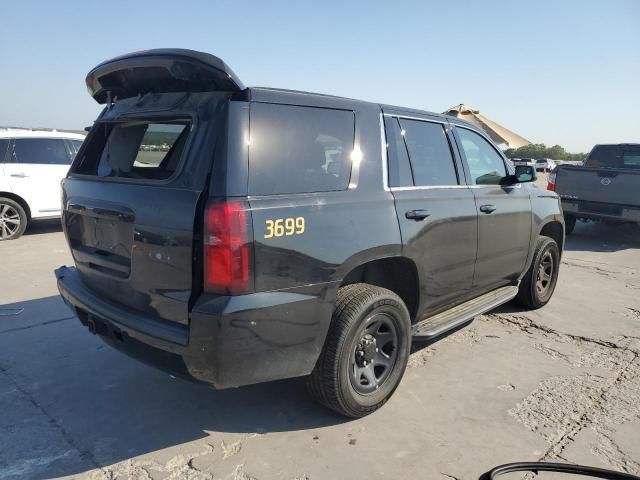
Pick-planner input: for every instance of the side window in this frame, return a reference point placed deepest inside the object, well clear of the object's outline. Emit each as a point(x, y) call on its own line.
point(631, 158)
point(76, 144)
point(431, 159)
point(44, 151)
point(485, 164)
point(398, 161)
point(299, 149)
point(4, 144)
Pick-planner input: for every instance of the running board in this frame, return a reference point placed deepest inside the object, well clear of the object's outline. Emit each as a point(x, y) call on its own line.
point(438, 324)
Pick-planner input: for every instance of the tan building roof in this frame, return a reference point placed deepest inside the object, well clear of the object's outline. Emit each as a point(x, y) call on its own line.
point(498, 133)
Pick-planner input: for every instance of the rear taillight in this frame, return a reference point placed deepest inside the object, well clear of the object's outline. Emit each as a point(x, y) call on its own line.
point(227, 253)
point(551, 181)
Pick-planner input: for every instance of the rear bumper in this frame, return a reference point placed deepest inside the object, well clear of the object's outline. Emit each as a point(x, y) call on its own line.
point(230, 340)
point(622, 213)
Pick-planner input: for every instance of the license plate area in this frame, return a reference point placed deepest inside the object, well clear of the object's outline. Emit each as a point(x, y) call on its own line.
point(589, 207)
point(101, 244)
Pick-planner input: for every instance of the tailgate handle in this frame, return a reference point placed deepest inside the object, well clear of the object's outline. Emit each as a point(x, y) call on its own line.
point(416, 215)
point(487, 208)
point(19, 175)
point(607, 174)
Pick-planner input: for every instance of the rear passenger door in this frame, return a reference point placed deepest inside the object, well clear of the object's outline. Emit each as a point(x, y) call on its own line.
point(35, 169)
point(504, 213)
point(435, 209)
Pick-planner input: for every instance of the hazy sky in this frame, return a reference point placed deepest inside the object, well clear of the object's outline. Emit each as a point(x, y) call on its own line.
point(556, 72)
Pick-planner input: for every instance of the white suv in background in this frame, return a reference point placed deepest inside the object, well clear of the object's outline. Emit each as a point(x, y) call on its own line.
point(32, 164)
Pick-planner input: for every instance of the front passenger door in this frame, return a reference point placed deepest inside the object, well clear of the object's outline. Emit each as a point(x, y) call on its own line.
point(504, 213)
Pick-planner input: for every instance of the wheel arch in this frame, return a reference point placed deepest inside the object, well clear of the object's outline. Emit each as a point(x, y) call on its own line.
point(554, 229)
point(396, 273)
point(18, 199)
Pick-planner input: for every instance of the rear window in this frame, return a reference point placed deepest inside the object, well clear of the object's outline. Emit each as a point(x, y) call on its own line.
point(299, 149)
point(42, 151)
point(602, 156)
point(135, 150)
point(614, 156)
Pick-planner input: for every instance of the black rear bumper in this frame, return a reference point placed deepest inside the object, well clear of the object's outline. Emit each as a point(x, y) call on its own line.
point(230, 341)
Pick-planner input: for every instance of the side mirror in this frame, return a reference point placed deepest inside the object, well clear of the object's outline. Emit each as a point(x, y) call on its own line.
point(525, 174)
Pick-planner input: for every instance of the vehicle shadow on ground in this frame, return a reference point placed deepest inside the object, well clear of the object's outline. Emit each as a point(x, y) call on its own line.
point(44, 226)
point(602, 237)
point(118, 408)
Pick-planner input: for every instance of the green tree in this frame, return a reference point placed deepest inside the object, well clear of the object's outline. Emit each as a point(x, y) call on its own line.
point(540, 150)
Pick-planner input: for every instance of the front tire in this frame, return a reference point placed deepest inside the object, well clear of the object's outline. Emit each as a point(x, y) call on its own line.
point(365, 353)
point(539, 282)
point(13, 219)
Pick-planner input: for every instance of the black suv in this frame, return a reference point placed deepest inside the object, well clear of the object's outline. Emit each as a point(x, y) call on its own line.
point(238, 235)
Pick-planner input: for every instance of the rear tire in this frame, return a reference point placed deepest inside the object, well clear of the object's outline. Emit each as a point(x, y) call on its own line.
point(569, 223)
point(539, 282)
point(13, 219)
point(366, 351)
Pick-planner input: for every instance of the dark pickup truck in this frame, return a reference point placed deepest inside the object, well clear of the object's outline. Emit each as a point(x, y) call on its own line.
point(606, 187)
point(237, 235)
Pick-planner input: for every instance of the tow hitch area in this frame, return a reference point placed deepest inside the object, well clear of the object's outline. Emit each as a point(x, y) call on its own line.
point(97, 326)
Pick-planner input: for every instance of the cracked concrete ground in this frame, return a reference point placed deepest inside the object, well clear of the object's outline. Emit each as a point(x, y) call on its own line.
point(560, 384)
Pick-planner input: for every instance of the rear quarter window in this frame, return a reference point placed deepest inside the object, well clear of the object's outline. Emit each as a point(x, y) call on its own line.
point(296, 149)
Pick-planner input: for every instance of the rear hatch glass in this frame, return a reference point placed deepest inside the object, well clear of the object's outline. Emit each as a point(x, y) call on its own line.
point(136, 150)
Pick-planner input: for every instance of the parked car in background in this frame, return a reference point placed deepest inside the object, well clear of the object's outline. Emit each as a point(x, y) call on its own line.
point(545, 165)
point(32, 165)
point(314, 240)
point(606, 187)
point(523, 162)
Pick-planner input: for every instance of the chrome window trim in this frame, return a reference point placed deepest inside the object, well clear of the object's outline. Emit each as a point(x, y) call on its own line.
point(429, 187)
point(383, 151)
point(449, 187)
point(408, 117)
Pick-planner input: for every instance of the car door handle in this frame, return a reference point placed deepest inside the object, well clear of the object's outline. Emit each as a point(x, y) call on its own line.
point(19, 175)
point(416, 215)
point(487, 208)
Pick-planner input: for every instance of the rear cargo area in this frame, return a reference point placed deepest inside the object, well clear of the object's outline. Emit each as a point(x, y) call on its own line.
point(133, 201)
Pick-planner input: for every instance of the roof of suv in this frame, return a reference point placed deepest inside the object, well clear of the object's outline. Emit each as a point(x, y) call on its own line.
point(27, 133)
point(281, 95)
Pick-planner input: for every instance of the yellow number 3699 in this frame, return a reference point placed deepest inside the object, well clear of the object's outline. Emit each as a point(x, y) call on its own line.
point(282, 227)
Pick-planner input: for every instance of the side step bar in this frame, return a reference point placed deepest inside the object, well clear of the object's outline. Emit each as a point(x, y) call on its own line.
point(432, 327)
